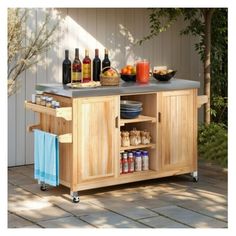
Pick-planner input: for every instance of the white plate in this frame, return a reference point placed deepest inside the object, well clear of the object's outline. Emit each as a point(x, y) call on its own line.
point(85, 85)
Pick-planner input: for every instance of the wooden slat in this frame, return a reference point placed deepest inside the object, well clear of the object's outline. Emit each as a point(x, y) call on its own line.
point(201, 100)
point(65, 138)
point(140, 118)
point(151, 145)
point(63, 112)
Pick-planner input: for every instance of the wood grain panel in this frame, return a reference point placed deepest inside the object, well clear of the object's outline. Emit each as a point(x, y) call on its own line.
point(98, 136)
point(178, 132)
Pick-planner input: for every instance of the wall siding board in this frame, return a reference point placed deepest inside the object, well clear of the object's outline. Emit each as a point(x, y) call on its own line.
point(30, 78)
point(115, 29)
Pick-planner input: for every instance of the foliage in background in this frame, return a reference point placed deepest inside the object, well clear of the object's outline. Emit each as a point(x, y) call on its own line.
point(219, 68)
point(212, 137)
point(210, 26)
point(25, 46)
point(212, 143)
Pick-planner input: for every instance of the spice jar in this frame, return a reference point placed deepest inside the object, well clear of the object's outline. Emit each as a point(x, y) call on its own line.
point(145, 137)
point(43, 100)
point(53, 103)
point(49, 102)
point(125, 142)
point(38, 97)
point(135, 138)
point(33, 98)
point(57, 105)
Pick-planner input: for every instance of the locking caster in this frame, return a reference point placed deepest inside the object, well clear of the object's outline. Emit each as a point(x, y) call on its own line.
point(195, 176)
point(75, 197)
point(43, 187)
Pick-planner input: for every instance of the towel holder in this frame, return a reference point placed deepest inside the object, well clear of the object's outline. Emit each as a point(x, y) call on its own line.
point(63, 138)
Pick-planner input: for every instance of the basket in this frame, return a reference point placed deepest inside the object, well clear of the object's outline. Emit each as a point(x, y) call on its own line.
point(108, 80)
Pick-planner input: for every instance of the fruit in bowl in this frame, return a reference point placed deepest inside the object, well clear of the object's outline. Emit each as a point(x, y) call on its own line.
point(163, 74)
point(128, 73)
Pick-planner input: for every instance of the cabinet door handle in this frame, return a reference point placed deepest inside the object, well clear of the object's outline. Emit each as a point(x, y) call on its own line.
point(116, 122)
point(159, 117)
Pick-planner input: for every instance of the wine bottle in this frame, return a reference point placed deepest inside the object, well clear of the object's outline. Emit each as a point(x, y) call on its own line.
point(76, 68)
point(86, 67)
point(96, 66)
point(106, 62)
point(66, 69)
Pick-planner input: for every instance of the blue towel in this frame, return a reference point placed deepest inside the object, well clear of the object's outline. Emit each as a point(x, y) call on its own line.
point(46, 157)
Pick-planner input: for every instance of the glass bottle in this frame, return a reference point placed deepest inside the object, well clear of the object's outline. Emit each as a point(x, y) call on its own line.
point(66, 69)
point(106, 62)
point(86, 67)
point(96, 66)
point(76, 68)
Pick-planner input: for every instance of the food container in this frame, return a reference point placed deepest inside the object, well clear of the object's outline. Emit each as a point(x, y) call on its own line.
point(49, 101)
point(43, 100)
point(33, 97)
point(128, 78)
point(38, 97)
point(164, 76)
point(142, 71)
point(57, 105)
point(109, 79)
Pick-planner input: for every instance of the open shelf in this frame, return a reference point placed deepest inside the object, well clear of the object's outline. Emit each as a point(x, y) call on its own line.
point(140, 118)
point(63, 112)
point(151, 145)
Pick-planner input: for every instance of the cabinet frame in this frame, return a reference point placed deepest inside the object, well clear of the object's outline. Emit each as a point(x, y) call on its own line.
point(70, 159)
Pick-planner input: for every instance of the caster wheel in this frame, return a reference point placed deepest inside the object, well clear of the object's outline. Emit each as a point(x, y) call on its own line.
point(195, 179)
point(43, 188)
point(76, 199)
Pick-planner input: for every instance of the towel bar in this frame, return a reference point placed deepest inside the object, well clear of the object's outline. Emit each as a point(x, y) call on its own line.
point(63, 138)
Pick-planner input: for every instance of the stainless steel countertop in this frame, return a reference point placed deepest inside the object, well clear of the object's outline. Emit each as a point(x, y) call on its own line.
point(123, 88)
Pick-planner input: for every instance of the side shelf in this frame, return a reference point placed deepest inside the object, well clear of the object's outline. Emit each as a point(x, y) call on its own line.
point(63, 112)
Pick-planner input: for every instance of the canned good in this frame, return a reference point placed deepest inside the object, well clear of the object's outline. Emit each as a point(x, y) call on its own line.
point(130, 162)
point(138, 161)
point(120, 163)
point(125, 167)
point(145, 160)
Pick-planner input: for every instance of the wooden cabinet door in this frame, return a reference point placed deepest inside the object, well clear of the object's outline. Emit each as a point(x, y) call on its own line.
point(178, 129)
point(98, 137)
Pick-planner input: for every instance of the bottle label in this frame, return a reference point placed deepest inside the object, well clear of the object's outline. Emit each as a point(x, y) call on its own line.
point(138, 164)
point(145, 163)
point(76, 76)
point(86, 71)
point(125, 167)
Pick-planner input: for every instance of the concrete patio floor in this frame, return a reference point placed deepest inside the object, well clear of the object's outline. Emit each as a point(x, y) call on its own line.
point(173, 202)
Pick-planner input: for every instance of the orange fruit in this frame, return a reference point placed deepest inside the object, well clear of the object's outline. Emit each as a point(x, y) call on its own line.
point(129, 72)
point(124, 71)
point(129, 67)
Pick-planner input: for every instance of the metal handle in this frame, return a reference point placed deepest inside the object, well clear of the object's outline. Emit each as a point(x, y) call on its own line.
point(116, 122)
point(159, 117)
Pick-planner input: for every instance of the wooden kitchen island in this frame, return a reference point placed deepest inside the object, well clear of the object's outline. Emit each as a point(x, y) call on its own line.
point(88, 124)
